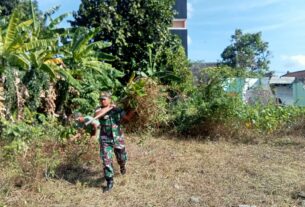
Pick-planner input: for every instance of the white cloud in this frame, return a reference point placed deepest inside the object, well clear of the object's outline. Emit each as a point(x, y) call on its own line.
point(190, 10)
point(294, 60)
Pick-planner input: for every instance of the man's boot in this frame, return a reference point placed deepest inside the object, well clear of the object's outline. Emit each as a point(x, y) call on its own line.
point(109, 185)
point(123, 169)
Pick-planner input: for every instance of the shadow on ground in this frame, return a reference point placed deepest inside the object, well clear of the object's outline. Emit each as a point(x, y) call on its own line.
point(74, 174)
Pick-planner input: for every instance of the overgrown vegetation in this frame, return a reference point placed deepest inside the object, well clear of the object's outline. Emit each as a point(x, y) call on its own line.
point(50, 73)
point(131, 27)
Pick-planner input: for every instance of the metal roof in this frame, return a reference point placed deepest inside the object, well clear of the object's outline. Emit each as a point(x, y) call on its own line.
point(281, 80)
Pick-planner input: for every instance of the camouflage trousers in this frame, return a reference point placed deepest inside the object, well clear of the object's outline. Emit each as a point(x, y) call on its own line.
point(109, 147)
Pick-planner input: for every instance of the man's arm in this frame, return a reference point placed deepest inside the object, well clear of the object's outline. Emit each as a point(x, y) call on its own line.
point(99, 113)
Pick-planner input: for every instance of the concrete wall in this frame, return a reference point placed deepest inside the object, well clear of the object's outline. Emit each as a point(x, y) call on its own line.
point(251, 90)
point(285, 93)
point(299, 93)
point(254, 89)
point(181, 9)
point(182, 33)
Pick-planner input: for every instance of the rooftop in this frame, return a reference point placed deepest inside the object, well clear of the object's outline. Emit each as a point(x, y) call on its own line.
point(296, 74)
point(281, 80)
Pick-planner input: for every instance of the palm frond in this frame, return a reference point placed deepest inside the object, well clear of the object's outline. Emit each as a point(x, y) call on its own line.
point(98, 66)
point(82, 42)
point(11, 30)
point(99, 45)
point(41, 44)
point(105, 57)
point(21, 60)
point(51, 11)
point(24, 25)
point(33, 16)
point(49, 69)
point(57, 20)
point(65, 73)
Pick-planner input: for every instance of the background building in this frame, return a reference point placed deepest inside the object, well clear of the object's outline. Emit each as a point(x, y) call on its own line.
point(179, 22)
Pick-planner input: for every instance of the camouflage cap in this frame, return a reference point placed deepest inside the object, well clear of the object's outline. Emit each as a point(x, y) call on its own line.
point(105, 95)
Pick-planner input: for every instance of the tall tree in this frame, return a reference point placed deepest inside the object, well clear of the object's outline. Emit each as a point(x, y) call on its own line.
point(130, 25)
point(7, 6)
point(247, 51)
point(23, 6)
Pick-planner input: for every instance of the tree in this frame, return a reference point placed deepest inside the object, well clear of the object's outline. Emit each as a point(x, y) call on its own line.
point(130, 25)
point(23, 51)
point(247, 51)
point(7, 6)
point(24, 8)
point(86, 61)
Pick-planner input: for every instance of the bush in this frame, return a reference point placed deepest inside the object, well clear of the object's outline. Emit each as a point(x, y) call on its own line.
point(150, 106)
point(18, 136)
point(211, 112)
point(34, 150)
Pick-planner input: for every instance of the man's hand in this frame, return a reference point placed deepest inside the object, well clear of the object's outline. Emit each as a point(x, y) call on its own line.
point(102, 111)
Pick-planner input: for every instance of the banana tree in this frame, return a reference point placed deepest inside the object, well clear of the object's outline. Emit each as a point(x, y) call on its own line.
point(89, 65)
point(23, 47)
point(10, 60)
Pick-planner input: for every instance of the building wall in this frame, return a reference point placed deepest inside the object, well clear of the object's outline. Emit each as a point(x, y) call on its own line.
point(299, 93)
point(258, 89)
point(179, 26)
point(285, 93)
point(181, 8)
point(182, 33)
point(251, 90)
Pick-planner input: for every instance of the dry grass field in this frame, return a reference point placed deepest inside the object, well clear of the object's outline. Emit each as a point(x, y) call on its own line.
point(168, 171)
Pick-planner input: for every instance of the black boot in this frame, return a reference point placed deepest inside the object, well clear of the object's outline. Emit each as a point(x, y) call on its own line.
point(109, 185)
point(123, 170)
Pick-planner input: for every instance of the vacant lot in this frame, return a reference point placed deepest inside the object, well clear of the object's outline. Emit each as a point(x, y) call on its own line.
point(173, 172)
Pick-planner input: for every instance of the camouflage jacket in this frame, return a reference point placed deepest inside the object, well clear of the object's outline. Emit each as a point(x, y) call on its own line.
point(110, 125)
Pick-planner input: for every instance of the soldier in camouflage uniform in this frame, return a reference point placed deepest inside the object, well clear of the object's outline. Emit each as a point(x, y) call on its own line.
point(111, 138)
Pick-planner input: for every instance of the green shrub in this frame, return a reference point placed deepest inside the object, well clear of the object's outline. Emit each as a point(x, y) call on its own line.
point(148, 99)
point(18, 136)
point(269, 118)
point(210, 110)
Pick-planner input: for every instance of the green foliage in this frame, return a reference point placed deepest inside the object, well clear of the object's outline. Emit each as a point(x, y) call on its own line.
point(210, 106)
point(19, 136)
point(77, 63)
point(173, 67)
point(35, 81)
point(130, 26)
point(247, 51)
point(23, 6)
point(7, 6)
point(135, 88)
point(10, 94)
point(148, 100)
point(86, 62)
point(268, 119)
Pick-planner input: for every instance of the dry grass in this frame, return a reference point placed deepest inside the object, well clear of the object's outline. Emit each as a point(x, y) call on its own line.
point(150, 109)
point(169, 172)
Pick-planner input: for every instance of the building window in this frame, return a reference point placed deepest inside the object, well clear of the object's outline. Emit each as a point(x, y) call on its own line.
point(179, 24)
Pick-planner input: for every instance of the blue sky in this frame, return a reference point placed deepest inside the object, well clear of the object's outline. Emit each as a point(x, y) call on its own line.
point(211, 24)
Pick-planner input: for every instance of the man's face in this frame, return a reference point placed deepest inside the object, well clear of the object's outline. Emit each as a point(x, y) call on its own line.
point(105, 102)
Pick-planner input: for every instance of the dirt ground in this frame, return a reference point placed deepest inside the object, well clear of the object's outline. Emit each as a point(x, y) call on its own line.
point(173, 172)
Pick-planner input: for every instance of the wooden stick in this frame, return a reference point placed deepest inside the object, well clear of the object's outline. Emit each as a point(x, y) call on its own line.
point(100, 113)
